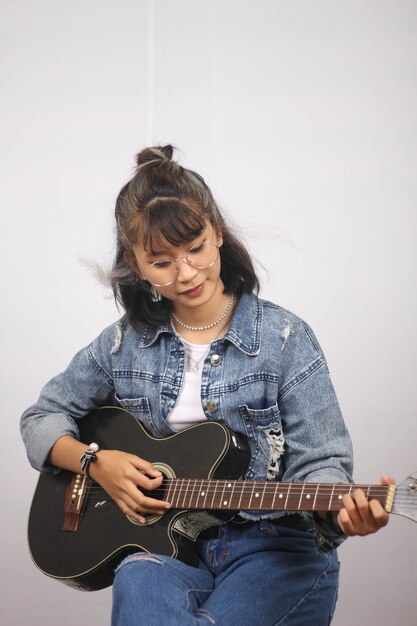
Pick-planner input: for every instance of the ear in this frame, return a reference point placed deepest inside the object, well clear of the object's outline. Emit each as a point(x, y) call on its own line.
point(219, 239)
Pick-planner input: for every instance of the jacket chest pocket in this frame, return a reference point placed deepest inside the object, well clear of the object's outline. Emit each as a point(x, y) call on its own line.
point(139, 408)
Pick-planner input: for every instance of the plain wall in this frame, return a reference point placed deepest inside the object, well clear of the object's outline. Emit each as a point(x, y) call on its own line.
point(301, 116)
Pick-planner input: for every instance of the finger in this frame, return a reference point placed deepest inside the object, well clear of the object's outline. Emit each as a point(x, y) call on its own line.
point(349, 504)
point(144, 466)
point(143, 503)
point(144, 482)
point(387, 480)
point(354, 516)
point(362, 506)
point(137, 509)
point(152, 505)
point(130, 510)
point(345, 522)
point(379, 514)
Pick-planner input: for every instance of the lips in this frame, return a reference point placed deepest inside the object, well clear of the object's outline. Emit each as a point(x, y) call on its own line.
point(195, 291)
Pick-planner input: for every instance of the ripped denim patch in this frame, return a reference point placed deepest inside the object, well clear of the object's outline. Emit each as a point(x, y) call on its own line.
point(138, 556)
point(205, 614)
point(276, 442)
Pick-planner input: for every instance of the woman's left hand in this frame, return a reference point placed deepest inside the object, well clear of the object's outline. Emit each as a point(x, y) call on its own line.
point(360, 516)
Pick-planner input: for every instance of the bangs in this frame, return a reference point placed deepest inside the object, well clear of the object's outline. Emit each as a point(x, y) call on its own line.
point(169, 219)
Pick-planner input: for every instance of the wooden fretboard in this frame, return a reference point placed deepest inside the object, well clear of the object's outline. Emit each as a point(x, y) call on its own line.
point(236, 495)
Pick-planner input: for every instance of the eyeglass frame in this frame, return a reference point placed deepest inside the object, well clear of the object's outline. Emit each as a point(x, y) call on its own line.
point(185, 256)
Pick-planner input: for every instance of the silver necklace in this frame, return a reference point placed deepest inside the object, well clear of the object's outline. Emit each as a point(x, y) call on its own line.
point(221, 318)
point(196, 365)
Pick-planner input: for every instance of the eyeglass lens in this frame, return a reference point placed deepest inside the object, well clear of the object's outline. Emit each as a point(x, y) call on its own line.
point(164, 272)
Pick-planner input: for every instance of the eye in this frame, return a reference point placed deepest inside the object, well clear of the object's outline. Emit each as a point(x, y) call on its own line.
point(161, 265)
point(198, 248)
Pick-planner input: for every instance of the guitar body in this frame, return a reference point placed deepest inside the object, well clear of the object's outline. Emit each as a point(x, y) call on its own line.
point(78, 535)
point(86, 557)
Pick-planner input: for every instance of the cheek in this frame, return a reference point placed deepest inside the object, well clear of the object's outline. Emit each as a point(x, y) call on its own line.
point(217, 267)
point(167, 292)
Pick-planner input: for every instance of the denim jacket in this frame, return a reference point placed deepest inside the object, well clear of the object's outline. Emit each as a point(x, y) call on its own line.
point(266, 378)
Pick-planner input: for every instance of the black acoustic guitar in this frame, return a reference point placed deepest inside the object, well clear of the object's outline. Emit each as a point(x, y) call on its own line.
point(78, 535)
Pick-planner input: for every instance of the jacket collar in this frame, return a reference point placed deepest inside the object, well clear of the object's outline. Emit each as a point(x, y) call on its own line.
point(244, 331)
point(245, 328)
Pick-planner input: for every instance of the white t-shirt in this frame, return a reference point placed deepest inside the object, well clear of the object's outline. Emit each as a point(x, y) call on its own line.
point(188, 410)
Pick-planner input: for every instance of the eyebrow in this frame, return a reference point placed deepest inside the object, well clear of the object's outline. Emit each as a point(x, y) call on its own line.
point(153, 253)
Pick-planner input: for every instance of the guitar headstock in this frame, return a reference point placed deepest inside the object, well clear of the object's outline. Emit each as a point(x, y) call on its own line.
point(405, 499)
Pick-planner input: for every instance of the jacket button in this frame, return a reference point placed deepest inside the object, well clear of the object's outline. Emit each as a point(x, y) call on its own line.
point(215, 360)
point(211, 406)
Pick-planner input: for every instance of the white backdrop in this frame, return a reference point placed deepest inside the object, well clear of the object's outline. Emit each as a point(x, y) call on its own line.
point(301, 115)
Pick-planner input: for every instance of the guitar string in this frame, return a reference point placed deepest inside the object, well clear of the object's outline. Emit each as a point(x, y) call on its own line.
point(295, 489)
point(249, 484)
point(291, 491)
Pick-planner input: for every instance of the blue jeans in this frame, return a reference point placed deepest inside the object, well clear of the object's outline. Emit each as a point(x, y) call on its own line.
point(256, 573)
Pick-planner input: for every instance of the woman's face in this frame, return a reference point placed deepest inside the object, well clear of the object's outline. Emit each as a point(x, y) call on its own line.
point(192, 286)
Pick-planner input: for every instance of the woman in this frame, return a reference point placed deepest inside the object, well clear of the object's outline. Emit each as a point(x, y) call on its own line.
point(197, 344)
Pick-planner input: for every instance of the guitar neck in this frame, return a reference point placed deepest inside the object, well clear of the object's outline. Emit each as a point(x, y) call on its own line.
point(236, 495)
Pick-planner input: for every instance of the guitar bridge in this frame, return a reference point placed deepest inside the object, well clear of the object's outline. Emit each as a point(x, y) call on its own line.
point(74, 499)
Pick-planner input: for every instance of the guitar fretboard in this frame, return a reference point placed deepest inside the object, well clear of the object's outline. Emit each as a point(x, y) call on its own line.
point(236, 495)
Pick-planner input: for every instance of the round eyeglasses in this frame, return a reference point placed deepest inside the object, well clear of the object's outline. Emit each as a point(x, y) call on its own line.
point(201, 256)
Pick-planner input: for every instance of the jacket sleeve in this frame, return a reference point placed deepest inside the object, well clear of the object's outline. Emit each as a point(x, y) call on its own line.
point(85, 385)
point(318, 447)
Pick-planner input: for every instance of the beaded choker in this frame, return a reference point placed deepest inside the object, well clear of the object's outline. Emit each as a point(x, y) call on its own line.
point(221, 318)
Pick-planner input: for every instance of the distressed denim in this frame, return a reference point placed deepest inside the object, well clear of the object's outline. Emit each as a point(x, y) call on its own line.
point(269, 380)
point(258, 573)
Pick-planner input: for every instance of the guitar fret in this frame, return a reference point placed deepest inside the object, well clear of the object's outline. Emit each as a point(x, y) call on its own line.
point(204, 489)
point(240, 499)
point(173, 497)
point(331, 499)
point(190, 489)
point(251, 495)
point(215, 484)
point(168, 492)
point(232, 493)
point(340, 490)
point(288, 493)
point(263, 494)
point(179, 491)
point(221, 503)
point(301, 496)
point(191, 504)
point(195, 494)
point(186, 483)
point(274, 496)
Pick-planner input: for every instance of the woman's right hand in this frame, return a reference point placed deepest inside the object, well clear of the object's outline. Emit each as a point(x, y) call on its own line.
point(124, 477)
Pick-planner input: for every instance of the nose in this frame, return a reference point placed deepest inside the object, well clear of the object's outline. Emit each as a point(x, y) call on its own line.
point(185, 271)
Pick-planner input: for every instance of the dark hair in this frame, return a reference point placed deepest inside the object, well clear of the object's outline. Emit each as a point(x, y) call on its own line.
point(166, 202)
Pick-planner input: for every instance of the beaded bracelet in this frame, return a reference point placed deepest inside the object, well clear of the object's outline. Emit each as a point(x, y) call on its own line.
point(89, 457)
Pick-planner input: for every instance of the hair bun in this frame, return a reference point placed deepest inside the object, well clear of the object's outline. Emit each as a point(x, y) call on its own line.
point(154, 154)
